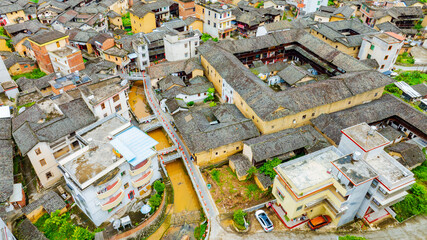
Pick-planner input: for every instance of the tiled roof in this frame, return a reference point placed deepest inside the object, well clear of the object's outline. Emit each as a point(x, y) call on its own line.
point(43, 37)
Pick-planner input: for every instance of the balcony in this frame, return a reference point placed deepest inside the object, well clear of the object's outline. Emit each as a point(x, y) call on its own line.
point(110, 189)
point(140, 168)
point(114, 201)
point(143, 180)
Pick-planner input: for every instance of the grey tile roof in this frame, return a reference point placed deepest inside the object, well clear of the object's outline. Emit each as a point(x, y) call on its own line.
point(6, 166)
point(16, 39)
point(115, 51)
point(200, 136)
point(398, 12)
point(8, 8)
point(385, 107)
point(390, 133)
point(15, 58)
point(276, 144)
point(241, 163)
point(27, 131)
point(25, 230)
point(169, 81)
point(31, 26)
point(263, 100)
point(164, 69)
point(333, 31)
point(292, 74)
point(264, 180)
point(46, 36)
point(421, 88)
point(412, 155)
point(279, 25)
point(388, 27)
point(139, 10)
point(50, 201)
point(26, 84)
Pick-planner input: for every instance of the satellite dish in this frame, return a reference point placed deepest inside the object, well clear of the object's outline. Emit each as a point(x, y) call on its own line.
point(224, 6)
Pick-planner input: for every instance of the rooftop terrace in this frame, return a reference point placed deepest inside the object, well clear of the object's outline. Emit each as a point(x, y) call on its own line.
point(387, 167)
point(310, 170)
point(365, 137)
point(357, 171)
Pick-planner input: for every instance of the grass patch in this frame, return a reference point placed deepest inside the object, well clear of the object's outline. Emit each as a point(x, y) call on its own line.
point(215, 174)
point(412, 77)
point(405, 59)
point(415, 203)
point(27, 105)
point(251, 190)
point(126, 20)
point(35, 74)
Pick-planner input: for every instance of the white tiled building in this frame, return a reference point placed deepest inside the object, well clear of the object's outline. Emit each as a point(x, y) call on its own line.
point(116, 164)
point(181, 45)
point(383, 47)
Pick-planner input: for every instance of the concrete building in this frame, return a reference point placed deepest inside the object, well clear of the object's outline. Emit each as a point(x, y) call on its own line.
point(107, 97)
point(187, 8)
point(66, 60)
point(356, 180)
point(5, 231)
point(217, 19)
point(53, 46)
point(383, 47)
point(11, 14)
point(181, 45)
point(45, 132)
point(116, 164)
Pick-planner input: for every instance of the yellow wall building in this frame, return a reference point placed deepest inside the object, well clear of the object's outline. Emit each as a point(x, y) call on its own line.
point(142, 22)
point(3, 44)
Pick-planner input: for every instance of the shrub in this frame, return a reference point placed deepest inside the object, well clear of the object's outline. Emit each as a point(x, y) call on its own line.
point(159, 187)
point(415, 203)
point(212, 104)
point(251, 172)
point(348, 237)
point(238, 217)
point(191, 103)
point(208, 98)
point(200, 231)
point(82, 234)
point(268, 167)
point(35, 74)
point(251, 189)
point(215, 174)
point(155, 202)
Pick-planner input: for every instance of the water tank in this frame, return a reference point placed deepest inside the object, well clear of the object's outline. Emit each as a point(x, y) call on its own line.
point(357, 156)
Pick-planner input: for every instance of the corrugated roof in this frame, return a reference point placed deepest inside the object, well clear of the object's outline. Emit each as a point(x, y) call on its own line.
point(407, 89)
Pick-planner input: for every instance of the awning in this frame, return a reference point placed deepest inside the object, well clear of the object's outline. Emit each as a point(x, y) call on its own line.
point(132, 55)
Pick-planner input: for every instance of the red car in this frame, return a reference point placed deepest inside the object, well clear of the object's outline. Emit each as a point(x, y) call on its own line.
point(319, 222)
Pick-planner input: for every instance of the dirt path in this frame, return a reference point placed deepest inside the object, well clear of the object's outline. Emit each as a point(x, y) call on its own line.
point(158, 234)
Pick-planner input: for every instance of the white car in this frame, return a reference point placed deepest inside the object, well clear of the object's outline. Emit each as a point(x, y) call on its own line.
point(265, 222)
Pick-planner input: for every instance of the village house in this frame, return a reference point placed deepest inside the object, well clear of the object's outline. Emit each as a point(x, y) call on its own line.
point(107, 97)
point(383, 112)
point(54, 54)
point(185, 69)
point(4, 44)
point(99, 43)
point(181, 45)
point(357, 179)
point(217, 18)
point(11, 14)
point(142, 20)
point(47, 11)
point(40, 84)
point(45, 132)
point(332, 14)
point(119, 165)
point(402, 17)
point(248, 19)
point(59, 84)
point(27, 231)
point(345, 35)
point(115, 20)
point(118, 6)
point(408, 93)
point(307, 6)
point(16, 65)
point(49, 203)
point(137, 49)
point(276, 4)
point(201, 127)
point(187, 8)
point(20, 33)
point(82, 40)
point(406, 153)
point(273, 27)
point(383, 47)
point(117, 56)
point(7, 85)
point(276, 110)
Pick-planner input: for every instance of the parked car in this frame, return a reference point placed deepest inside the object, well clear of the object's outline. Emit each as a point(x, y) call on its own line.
point(265, 222)
point(319, 222)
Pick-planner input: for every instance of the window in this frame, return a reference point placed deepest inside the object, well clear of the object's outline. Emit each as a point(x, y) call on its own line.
point(26, 66)
point(123, 173)
point(369, 56)
point(186, 54)
point(280, 194)
point(118, 108)
point(209, 13)
point(303, 117)
point(185, 45)
point(336, 46)
point(214, 25)
point(372, 47)
point(376, 94)
point(318, 2)
point(294, 121)
point(209, 22)
point(349, 102)
point(390, 47)
point(382, 66)
point(216, 153)
point(57, 44)
point(102, 105)
point(49, 175)
point(386, 57)
point(237, 148)
point(376, 202)
point(299, 208)
point(381, 190)
point(313, 114)
point(131, 195)
point(368, 195)
point(215, 15)
point(38, 151)
point(116, 98)
point(42, 162)
point(374, 183)
point(126, 185)
point(105, 115)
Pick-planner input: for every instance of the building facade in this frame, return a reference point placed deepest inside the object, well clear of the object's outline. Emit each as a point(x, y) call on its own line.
point(181, 45)
point(217, 19)
point(356, 180)
point(123, 165)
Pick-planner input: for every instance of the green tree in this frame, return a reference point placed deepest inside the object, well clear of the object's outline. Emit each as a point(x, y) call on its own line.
point(82, 234)
point(190, 103)
point(211, 91)
point(238, 217)
point(155, 202)
point(212, 104)
point(159, 187)
point(268, 167)
point(251, 172)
